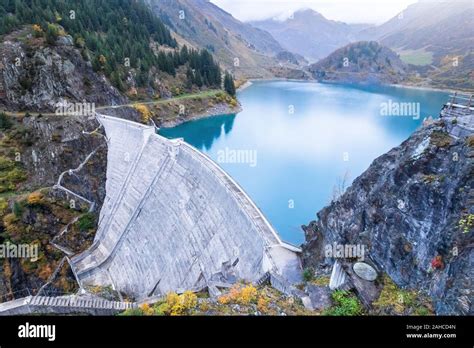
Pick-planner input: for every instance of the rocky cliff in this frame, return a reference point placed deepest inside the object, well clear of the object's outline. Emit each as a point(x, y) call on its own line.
point(412, 212)
point(35, 76)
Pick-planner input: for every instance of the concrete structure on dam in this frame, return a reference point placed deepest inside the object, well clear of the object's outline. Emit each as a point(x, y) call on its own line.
point(173, 220)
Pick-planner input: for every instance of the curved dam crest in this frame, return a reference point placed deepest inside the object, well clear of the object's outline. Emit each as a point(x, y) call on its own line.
point(173, 220)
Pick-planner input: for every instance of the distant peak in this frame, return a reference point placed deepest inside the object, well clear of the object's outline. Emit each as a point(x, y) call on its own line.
point(301, 14)
point(307, 13)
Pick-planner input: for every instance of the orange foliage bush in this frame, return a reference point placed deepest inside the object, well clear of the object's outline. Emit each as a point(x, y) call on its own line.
point(35, 198)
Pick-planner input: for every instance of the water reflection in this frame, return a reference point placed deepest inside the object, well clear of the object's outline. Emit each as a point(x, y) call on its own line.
point(204, 138)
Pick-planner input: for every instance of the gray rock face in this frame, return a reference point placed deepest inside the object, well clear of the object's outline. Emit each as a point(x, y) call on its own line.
point(406, 210)
point(37, 78)
point(365, 271)
point(320, 296)
point(174, 220)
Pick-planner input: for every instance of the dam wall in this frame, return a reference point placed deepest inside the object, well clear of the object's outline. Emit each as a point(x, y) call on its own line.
point(173, 219)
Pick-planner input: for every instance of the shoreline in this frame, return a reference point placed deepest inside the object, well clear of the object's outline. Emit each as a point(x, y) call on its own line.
point(250, 82)
point(220, 110)
point(427, 88)
point(225, 110)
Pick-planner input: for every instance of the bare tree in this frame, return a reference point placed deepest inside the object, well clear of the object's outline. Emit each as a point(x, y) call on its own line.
point(340, 187)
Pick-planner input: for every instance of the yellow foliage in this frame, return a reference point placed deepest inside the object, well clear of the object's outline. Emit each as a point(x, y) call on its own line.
point(189, 299)
point(239, 294)
point(224, 299)
point(37, 28)
point(45, 271)
point(3, 206)
point(57, 16)
point(178, 304)
point(146, 309)
point(144, 112)
point(233, 103)
point(35, 198)
point(249, 294)
point(9, 220)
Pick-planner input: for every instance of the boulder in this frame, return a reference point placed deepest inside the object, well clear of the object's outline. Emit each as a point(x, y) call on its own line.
point(365, 271)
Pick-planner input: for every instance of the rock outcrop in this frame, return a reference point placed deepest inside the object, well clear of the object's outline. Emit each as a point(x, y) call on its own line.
point(35, 77)
point(407, 210)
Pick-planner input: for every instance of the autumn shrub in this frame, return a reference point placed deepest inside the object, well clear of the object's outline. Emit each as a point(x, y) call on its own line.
point(35, 198)
point(144, 112)
point(13, 227)
point(37, 30)
point(9, 220)
point(175, 304)
point(262, 304)
point(240, 294)
point(146, 309)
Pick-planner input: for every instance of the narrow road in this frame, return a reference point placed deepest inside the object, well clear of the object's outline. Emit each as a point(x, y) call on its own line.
point(199, 95)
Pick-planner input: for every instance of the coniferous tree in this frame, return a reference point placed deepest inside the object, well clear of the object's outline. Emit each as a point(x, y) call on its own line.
point(229, 85)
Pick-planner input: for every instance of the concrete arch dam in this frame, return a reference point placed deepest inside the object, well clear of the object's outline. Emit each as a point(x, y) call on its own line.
point(173, 219)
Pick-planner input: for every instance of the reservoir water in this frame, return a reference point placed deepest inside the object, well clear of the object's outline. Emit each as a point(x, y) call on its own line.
point(295, 142)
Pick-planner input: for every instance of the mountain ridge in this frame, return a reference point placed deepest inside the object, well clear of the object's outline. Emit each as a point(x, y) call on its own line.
point(309, 33)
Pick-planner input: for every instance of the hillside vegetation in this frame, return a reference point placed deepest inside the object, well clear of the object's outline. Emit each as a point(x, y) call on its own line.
point(365, 61)
point(122, 39)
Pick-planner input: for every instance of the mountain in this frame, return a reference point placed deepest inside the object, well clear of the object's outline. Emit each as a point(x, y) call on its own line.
point(409, 210)
point(310, 34)
point(259, 39)
point(437, 36)
point(365, 61)
point(441, 27)
point(130, 45)
point(239, 47)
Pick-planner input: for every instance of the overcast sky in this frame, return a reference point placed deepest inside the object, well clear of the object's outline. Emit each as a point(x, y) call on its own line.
point(349, 11)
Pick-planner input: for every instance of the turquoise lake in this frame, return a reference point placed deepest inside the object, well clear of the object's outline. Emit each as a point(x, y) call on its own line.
point(295, 141)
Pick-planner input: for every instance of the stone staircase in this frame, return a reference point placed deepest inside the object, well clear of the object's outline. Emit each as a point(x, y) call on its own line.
point(64, 305)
